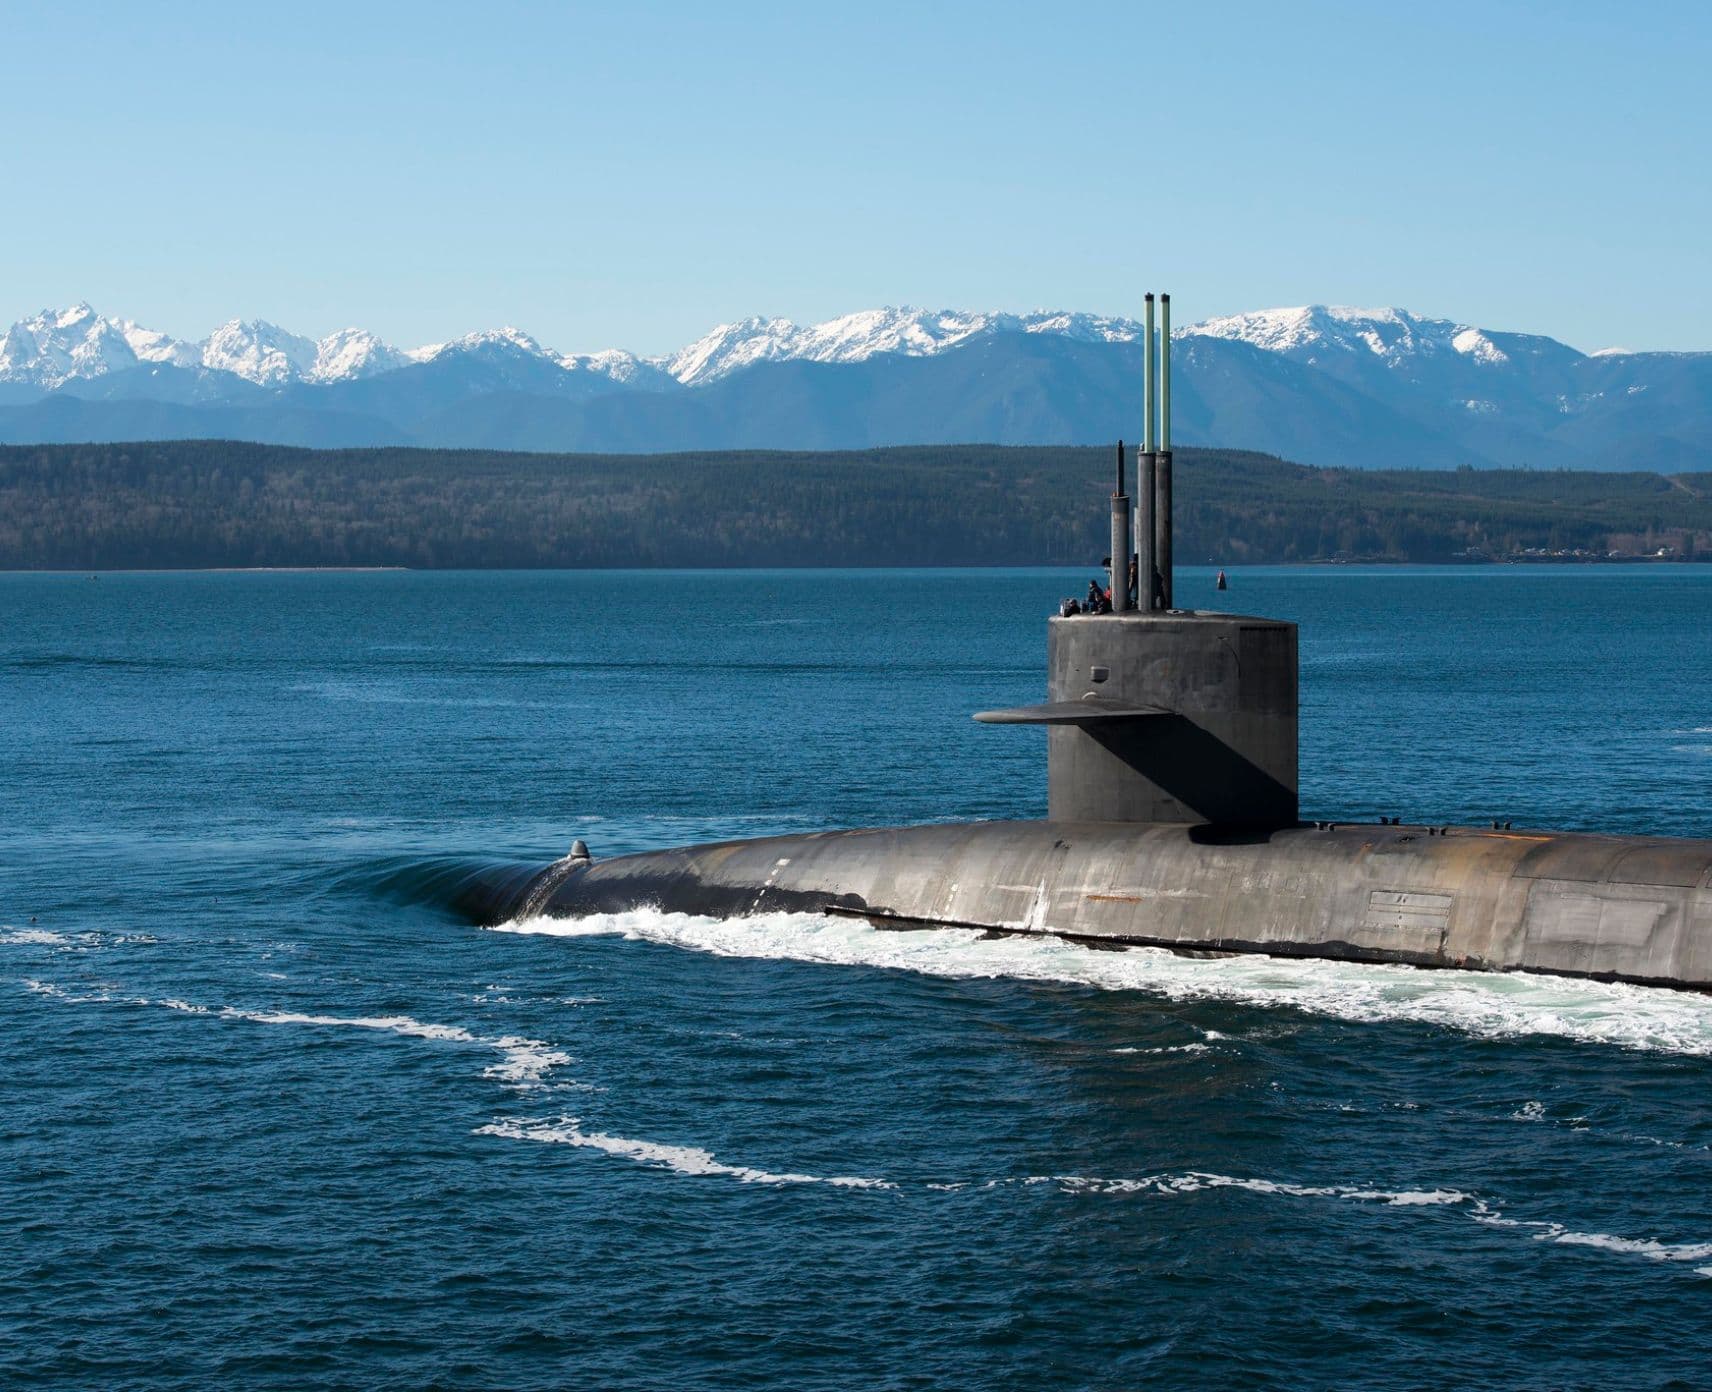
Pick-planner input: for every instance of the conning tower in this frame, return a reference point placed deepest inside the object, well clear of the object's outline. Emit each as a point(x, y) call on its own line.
point(1171, 762)
point(1159, 714)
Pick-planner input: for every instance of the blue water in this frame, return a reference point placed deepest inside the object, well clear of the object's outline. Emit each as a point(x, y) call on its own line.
point(272, 1115)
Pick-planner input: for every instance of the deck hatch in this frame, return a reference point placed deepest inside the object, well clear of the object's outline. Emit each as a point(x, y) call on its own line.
point(1400, 910)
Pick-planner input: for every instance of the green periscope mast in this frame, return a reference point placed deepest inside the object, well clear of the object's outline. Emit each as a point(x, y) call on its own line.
point(1172, 820)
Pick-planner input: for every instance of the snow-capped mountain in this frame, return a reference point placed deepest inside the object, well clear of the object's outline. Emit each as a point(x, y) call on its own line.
point(1308, 330)
point(491, 345)
point(1319, 334)
point(858, 337)
point(352, 353)
point(259, 352)
point(511, 357)
point(54, 346)
point(505, 342)
point(619, 366)
point(1421, 366)
point(1322, 384)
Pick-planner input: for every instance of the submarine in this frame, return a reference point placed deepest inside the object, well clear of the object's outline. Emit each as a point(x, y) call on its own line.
point(1172, 818)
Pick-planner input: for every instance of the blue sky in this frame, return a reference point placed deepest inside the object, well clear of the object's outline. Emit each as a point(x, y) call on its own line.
point(629, 175)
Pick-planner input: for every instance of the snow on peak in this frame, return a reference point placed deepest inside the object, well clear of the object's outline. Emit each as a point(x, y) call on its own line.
point(613, 363)
point(353, 353)
point(869, 332)
point(1276, 330)
point(727, 347)
point(1091, 328)
point(1305, 327)
point(1308, 331)
point(1478, 346)
point(849, 338)
point(151, 345)
point(504, 340)
point(54, 347)
point(259, 352)
point(57, 346)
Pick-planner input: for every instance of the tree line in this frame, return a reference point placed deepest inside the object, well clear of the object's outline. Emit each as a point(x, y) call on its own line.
point(207, 503)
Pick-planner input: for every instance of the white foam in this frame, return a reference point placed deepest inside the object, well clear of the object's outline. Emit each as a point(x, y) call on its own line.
point(1669, 1145)
point(31, 937)
point(1195, 1181)
point(684, 1160)
point(1477, 1209)
point(1169, 1049)
point(594, 926)
point(1647, 1247)
point(1487, 1004)
point(692, 1160)
point(65, 942)
point(45, 937)
point(523, 1063)
point(53, 992)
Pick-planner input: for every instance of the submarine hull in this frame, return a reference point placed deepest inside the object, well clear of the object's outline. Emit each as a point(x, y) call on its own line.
point(1635, 909)
point(1172, 761)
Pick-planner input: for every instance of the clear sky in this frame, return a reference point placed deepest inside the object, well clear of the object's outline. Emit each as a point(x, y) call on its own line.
point(630, 174)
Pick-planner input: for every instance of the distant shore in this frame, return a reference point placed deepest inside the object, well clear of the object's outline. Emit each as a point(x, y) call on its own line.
point(1071, 569)
point(93, 571)
point(224, 506)
point(272, 569)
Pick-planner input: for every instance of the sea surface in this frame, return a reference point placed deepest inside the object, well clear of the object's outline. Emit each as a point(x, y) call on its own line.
point(273, 1116)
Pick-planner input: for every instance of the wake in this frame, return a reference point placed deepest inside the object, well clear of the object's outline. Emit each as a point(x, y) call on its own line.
point(526, 1066)
point(1485, 1005)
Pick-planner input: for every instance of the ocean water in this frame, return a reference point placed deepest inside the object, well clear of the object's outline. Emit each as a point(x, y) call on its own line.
point(273, 1116)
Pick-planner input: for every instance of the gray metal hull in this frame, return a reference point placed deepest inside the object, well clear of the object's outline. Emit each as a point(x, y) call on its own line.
point(1621, 908)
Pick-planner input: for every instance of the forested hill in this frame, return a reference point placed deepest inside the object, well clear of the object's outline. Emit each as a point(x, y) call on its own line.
point(213, 503)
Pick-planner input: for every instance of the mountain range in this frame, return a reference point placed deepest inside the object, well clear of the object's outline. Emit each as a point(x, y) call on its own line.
point(1320, 384)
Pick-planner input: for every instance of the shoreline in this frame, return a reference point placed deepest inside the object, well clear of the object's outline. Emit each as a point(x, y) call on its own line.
point(208, 570)
point(1529, 563)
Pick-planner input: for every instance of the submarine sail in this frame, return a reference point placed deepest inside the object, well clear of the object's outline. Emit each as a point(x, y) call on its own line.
point(1172, 819)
